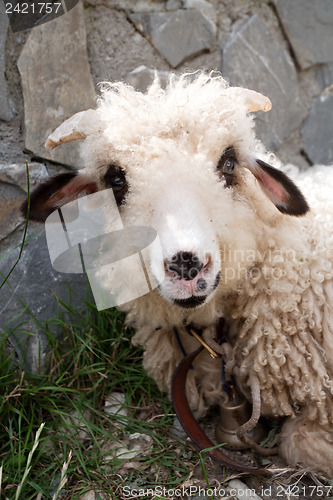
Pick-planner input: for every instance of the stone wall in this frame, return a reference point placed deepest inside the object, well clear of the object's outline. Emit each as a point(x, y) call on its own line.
point(282, 48)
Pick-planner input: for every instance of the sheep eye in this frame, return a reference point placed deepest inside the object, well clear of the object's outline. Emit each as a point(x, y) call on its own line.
point(115, 178)
point(226, 165)
point(116, 182)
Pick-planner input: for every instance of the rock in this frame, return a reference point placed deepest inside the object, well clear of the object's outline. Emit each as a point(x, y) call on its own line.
point(173, 4)
point(76, 425)
point(324, 76)
point(28, 299)
point(309, 27)
point(317, 130)
point(56, 82)
point(253, 58)
point(13, 189)
point(241, 491)
point(130, 6)
point(16, 174)
point(177, 35)
point(115, 404)
point(142, 77)
point(91, 495)
point(206, 8)
point(6, 111)
point(11, 199)
point(133, 446)
point(177, 429)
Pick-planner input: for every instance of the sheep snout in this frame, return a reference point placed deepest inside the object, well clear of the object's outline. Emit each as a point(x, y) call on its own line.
point(186, 265)
point(188, 281)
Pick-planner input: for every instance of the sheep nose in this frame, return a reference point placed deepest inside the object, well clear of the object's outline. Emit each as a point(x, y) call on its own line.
point(186, 264)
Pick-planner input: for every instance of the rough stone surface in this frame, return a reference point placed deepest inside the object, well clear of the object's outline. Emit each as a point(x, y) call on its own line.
point(177, 35)
point(142, 77)
point(6, 111)
point(76, 425)
point(16, 174)
point(13, 189)
point(11, 198)
point(253, 58)
point(131, 447)
point(309, 27)
point(56, 82)
point(130, 6)
point(32, 286)
point(324, 76)
point(317, 130)
point(173, 4)
point(115, 404)
point(114, 45)
point(206, 8)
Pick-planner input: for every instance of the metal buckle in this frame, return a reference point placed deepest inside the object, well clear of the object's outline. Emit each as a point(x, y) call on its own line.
point(212, 353)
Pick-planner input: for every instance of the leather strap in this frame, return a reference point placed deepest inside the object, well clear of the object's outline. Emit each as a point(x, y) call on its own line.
point(191, 426)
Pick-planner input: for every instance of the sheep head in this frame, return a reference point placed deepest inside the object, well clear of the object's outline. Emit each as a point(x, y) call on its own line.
point(183, 161)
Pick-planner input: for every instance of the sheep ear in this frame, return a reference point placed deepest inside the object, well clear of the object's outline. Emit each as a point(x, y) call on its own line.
point(77, 127)
point(56, 192)
point(281, 190)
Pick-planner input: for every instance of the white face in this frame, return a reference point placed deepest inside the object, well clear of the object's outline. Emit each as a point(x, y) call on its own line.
point(185, 225)
point(192, 204)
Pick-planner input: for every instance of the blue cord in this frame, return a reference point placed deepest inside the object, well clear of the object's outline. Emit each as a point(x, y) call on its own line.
point(180, 345)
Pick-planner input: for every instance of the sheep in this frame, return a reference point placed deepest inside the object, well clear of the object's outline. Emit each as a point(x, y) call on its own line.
point(238, 241)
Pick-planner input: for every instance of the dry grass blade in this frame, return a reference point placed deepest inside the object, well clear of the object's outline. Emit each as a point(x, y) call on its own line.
point(15, 392)
point(63, 478)
point(28, 464)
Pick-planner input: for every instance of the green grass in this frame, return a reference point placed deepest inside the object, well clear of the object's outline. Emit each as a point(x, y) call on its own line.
point(91, 357)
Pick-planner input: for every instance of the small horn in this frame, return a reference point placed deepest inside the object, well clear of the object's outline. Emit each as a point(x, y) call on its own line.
point(76, 127)
point(254, 100)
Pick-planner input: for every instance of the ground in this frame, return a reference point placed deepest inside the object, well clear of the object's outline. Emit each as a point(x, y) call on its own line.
point(77, 453)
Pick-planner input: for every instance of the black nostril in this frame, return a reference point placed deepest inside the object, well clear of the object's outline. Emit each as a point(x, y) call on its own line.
point(186, 264)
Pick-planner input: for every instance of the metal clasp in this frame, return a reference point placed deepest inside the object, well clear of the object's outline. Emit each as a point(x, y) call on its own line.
point(211, 351)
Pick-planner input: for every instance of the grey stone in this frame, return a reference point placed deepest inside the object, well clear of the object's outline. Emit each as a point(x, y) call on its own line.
point(6, 109)
point(16, 174)
point(115, 46)
point(130, 6)
point(173, 4)
point(309, 27)
point(13, 189)
point(56, 82)
point(177, 429)
point(317, 130)
point(11, 199)
point(206, 8)
point(115, 404)
point(142, 77)
point(253, 58)
point(324, 75)
point(28, 298)
point(177, 35)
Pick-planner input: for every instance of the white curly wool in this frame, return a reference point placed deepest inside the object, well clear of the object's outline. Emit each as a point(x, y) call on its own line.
point(276, 284)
